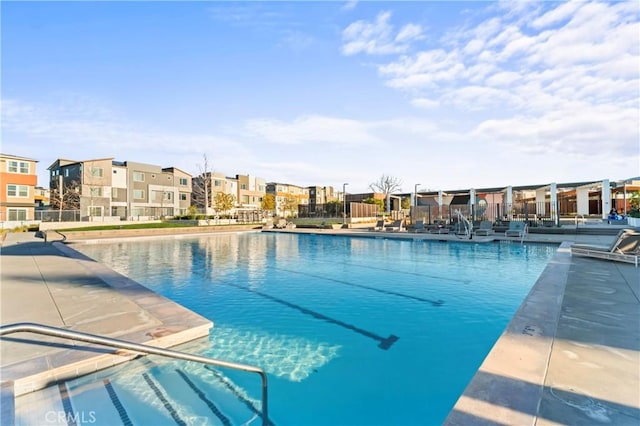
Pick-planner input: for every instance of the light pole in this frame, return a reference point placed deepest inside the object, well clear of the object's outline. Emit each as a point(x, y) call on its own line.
point(344, 203)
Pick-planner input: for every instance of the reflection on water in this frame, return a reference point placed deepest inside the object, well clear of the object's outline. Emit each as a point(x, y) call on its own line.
point(290, 357)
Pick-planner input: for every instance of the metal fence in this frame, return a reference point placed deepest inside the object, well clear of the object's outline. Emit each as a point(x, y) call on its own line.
point(535, 214)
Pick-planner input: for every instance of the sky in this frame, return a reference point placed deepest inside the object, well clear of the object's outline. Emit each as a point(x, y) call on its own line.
point(438, 95)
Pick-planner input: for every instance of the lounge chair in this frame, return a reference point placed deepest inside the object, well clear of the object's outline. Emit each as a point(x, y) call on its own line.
point(624, 248)
point(485, 229)
point(379, 226)
point(282, 223)
point(396, 226)
point(516, 229)
point(419, 226)
point(439, 227)
point(268, 224)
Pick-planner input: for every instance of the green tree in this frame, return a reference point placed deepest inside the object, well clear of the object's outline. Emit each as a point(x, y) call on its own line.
point(333, 208)
point(192, 211)
point(406, 203)
point(372, 200)
point(634, 201)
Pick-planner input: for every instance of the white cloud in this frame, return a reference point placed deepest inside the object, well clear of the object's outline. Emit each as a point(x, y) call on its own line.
point(425, 103)
point(535, 60)
point(377, 38)
point(350, 5)
point(312, 129)
point(554, 16)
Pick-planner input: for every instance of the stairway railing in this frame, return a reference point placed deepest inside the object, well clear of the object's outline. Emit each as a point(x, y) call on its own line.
point(139, 348)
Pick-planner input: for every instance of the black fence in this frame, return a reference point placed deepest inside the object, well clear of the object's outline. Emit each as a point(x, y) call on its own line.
point(535, 214)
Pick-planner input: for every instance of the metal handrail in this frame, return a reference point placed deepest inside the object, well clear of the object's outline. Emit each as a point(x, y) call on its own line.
point(136, 347)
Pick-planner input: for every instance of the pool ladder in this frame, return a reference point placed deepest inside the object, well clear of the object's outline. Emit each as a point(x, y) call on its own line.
point(135, 347)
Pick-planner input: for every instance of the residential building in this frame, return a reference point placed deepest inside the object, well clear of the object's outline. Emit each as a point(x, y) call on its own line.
point(105, 188)
point(251, 189)
point(247, 191)
point(19, 180)
point(289, 198)
point(323, 201)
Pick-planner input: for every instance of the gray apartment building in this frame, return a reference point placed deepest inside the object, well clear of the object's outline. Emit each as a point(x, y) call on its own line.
point(104, 189)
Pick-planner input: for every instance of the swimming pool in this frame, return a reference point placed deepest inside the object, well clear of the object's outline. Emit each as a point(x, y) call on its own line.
point(352, 331)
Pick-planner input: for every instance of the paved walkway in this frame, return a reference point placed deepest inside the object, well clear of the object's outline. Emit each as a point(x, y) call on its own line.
point(54, 285)
point(571, 355)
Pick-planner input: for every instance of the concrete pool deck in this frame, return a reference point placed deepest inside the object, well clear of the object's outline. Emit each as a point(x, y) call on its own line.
point(54, 285)
point(570, 355)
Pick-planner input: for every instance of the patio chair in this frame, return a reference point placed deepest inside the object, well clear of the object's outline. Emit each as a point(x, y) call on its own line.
point(485, 229)
point(282, 223)
point(516, 229)
point(624, 248)
point(268, 224)
point(419, 226)
point(396, 226)
point(439, 227)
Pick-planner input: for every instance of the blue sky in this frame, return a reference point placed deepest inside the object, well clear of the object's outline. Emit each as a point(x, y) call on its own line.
point(447, 95)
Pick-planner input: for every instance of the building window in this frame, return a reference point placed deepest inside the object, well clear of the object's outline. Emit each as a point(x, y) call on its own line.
point(183, 197)
point(17, 191)
point(243, 186)
point(138, 211)
point(168, 196)
point(66, 172)
point(184, 181)
point(95, 211)
point(96, 172)
point(18, 167)
point(95, 191)
point(138, 194)
point(17, 214)
point(138, 176)
point(217, 183)
point(114, 192)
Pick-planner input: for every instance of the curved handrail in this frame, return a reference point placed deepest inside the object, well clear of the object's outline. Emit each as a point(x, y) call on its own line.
point(468, 226)
point(136, 347)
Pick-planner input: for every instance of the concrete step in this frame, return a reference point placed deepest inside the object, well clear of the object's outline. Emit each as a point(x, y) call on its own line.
point(156, 394)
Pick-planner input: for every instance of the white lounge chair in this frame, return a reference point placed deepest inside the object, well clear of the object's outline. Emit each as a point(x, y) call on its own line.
point(516, 229)
point(485, 229)
point(624, 248)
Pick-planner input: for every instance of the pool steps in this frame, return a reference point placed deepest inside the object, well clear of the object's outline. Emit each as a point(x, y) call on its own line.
point(172, 393)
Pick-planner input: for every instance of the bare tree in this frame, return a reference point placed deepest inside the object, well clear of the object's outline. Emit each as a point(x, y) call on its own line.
point(386, 185)
point(64, 196)
point(201, 193)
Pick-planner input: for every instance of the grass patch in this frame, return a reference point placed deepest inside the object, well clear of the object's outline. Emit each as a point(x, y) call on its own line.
point(132, 226)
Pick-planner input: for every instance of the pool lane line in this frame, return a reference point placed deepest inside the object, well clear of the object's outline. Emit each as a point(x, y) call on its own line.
point(122, 412)
point(167, 405)
point(395, 271)
point(438, 302)
point(385, 342)
point(70, 416)
point(214, 409)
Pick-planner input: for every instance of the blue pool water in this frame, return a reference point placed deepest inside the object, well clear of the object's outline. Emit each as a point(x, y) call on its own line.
point(352, 331)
